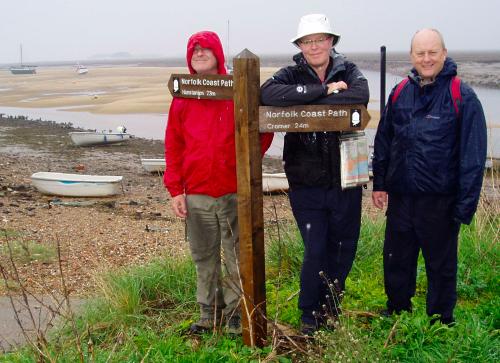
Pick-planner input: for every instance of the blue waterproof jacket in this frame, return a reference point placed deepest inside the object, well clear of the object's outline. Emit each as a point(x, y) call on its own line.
point(423, 147)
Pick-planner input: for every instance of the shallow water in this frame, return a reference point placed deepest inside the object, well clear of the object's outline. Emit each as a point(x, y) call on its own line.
point(152, 126)
point(148, 126)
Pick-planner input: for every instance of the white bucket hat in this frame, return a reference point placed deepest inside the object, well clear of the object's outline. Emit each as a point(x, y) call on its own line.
point(314, 24)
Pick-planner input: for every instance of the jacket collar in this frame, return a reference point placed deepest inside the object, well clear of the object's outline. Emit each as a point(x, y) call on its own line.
point(449, 70)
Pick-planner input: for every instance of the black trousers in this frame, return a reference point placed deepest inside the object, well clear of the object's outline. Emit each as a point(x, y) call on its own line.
point(329, 222)
point(421, 222)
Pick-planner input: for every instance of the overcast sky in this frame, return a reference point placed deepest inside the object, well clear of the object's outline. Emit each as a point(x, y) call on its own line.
point(71, 30)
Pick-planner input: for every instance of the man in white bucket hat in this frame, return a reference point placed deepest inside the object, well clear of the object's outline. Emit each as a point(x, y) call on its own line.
point(314, 24)
point(328, 217)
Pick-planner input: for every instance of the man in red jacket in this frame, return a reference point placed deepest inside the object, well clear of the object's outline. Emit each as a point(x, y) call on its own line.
point(201, 178)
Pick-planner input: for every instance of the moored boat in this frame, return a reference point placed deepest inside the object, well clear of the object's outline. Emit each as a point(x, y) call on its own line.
point(80, 69)
point(84, 138)
point(274, 182)
point(22, 69)
point(77, 185)
point(153, 165)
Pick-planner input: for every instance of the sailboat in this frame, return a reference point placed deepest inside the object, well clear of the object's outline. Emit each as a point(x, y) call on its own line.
point(229, 66)
point(23, 69)
point(81, 69)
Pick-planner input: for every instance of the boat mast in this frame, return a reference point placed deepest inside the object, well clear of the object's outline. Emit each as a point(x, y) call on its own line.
point(21, 53)
point(229, 64)
point(227, 46)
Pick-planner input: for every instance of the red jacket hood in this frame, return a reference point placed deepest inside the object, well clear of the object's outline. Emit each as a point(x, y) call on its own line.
point(206, 39)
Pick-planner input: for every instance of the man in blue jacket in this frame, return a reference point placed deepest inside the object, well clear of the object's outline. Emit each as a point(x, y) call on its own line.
point(327, 216)
point(430, 151)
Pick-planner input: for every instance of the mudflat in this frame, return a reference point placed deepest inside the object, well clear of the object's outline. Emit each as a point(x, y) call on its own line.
point(95, 234)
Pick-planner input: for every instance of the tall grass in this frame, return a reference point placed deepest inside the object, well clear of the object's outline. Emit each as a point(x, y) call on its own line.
point(142, 313)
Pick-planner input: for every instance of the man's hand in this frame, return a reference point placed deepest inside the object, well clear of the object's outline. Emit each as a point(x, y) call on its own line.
point(335, 87)
point(179, 205)
point(379, 199)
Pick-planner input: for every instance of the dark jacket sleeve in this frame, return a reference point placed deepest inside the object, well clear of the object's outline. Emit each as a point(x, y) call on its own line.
point(472, 155)
point(381, 148)
point(357, 91)
point(283, 90)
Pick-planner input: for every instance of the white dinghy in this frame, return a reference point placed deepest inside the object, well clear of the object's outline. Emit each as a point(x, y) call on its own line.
point(85, 138)
point(77, 185)
point(81, 69)
point(153, 165)
point(274, 182)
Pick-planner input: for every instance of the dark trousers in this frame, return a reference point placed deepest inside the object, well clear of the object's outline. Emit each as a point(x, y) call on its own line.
point(329, 221)
point(414, 223)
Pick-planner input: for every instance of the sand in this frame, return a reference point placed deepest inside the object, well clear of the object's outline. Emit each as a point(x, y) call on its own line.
point(103, 90)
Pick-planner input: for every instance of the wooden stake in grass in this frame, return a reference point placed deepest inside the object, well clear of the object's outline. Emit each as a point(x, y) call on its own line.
point(391, 335)
point(250, 205)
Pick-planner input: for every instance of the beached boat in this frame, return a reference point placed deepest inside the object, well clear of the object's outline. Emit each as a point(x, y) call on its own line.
point(77, 185)
point(22, 69)
point(274, 182)
point(81, 69)
point(153, 165)
point(84, 138)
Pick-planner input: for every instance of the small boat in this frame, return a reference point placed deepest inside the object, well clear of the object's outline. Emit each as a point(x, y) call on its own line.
point(84, 138)
point(370, 160)
point(80, 69)
point(153, 165)
point(22, 69)
point(274, 182)
point(77, 185)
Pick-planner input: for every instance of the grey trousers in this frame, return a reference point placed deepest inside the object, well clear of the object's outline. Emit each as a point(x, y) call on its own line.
point(212, 230)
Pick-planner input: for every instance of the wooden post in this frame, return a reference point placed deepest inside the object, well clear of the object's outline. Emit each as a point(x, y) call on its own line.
point(246, 78)
point(382, 78)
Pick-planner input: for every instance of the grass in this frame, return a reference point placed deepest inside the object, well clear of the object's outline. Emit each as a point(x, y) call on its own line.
point(142, 313)
point(23, 251)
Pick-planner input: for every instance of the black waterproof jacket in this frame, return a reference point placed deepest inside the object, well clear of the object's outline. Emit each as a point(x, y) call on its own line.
point(423, 147)
point(312, 158)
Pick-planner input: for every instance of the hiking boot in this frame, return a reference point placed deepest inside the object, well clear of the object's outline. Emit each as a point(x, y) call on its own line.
point(308, 329)
point(450, 322)
point(388, 312)
point(202, 326)
point(234, 325)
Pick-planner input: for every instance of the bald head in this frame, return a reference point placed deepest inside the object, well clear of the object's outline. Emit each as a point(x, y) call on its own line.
point(425, 33)
point(428, 54)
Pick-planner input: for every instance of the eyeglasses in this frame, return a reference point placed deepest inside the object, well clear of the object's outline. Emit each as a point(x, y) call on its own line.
point(310, 42)
point(430, 54)
point(201, 49)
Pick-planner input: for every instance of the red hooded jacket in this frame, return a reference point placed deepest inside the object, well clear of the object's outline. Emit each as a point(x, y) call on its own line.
point(199, 139)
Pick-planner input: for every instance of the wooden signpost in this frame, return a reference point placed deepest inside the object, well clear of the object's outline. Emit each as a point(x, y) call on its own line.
point(313, 118)
point(250, 119)
point(216, 87)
